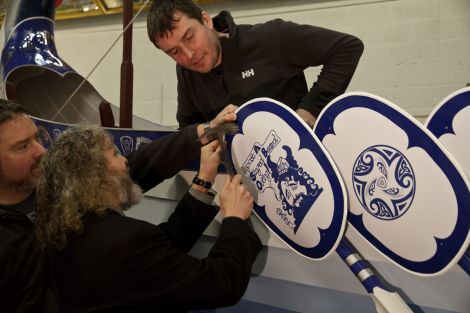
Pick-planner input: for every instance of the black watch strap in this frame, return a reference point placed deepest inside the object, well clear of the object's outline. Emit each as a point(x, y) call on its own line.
point(204, 183)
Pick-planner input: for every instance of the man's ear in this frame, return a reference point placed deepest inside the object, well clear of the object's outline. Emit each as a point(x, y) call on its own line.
point(206, 19)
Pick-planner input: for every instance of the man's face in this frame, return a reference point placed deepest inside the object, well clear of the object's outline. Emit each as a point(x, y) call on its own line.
point(20, 153)
point(117, 164)
point(191, 44)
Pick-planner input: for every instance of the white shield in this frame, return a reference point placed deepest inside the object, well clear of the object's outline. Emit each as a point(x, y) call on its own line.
point(407, 197)
point(298, 192)
point(449, 122)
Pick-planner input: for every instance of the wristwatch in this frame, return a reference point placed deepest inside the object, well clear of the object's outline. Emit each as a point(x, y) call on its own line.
point(204, 183)
point(207, 127)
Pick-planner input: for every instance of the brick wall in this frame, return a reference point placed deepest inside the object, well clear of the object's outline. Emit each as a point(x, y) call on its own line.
point(416, 51)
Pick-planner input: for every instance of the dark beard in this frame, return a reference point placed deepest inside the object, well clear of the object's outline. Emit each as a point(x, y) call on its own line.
point(27, 185)
point(129, 193)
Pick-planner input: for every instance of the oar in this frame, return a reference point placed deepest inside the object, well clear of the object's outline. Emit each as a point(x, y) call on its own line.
point(465, 263)
point(385, 301)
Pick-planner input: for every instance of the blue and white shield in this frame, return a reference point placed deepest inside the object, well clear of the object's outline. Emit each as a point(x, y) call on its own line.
point(297, 189)
point(407, 197)
point(449, 122)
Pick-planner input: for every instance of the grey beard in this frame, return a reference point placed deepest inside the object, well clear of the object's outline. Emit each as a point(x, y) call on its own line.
point(129, 193)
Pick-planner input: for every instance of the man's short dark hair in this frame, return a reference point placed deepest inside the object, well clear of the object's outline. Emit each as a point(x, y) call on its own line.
point(9, 110)
point(160, 19)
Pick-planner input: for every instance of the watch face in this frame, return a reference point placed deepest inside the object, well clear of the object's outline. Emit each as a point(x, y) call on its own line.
point(298, 192)
point(407, 196)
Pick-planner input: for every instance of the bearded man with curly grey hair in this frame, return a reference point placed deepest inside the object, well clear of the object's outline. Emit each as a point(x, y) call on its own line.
point(103, 261)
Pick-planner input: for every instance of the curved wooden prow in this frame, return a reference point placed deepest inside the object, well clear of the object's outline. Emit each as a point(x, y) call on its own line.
point(106, 114)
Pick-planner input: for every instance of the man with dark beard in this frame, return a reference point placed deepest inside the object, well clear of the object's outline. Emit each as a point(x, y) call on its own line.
point(103, 261)
point(23, 284)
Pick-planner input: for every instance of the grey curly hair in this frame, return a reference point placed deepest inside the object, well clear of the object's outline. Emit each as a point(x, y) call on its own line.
point(74, 174)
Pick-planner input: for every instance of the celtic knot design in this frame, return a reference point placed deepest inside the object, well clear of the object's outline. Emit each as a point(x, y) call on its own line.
point(384, 182)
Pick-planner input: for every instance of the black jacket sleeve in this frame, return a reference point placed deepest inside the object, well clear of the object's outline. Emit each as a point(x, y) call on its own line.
point(187, 223)
point(162, 277)
point(305, 46)
point(164, 157)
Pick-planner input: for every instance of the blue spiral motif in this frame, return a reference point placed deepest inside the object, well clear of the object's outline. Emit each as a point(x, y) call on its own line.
point(384, 182)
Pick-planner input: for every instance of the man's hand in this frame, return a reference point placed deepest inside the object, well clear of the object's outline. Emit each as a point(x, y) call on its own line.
point(210, 160)
point(227, 115)
point(235, 199)
point(306, 116)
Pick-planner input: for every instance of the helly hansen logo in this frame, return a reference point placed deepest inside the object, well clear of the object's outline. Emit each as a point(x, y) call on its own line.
point(248, 73)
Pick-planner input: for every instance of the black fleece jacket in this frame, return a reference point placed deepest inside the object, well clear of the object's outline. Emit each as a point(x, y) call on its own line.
point(268, 60)
point(122, 265)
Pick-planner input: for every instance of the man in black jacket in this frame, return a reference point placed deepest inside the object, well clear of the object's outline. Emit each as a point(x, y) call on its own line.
point(219, 62)
point(23, 284)
point(103, 261)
